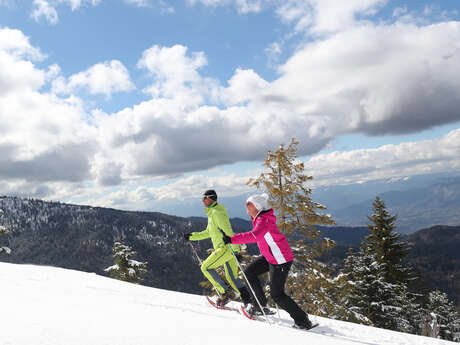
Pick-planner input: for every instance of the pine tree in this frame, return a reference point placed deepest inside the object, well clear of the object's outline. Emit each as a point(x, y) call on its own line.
point(374, 284)
point(375, 298)
point(286, 183)
point(440, 317)
point(125, 268)
point(346, 290)
point(4, 231)
point(384, 244)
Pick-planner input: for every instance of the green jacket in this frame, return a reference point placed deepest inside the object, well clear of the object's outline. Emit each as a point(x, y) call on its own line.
point(217, 220)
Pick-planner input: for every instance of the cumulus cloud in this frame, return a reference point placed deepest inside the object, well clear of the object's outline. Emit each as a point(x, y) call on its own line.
point(17, 45)
point(183, 189)
point(173, 71)
point(337, 168)
point(363, 78)
point(370, 79)
point(376, 79)
point(44, 138)
point(326, 16)
point(388, 161)
point(103, 78)
point(176, 131)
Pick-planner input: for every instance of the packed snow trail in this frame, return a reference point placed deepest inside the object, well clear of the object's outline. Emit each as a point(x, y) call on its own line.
point(52, 306)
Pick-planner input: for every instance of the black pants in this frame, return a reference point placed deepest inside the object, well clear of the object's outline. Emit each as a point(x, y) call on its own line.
point(278, 276)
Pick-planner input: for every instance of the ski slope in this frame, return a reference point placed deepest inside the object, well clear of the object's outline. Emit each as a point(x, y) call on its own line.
point(52, 306)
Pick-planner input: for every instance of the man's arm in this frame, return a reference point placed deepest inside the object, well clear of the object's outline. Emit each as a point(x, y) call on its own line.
point(197, 236)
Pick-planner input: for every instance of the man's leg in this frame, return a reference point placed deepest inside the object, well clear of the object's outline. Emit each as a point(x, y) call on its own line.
point(208, 267)
point(231, 274)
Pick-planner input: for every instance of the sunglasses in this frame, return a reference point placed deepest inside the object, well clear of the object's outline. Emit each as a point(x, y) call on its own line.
point(207, 196)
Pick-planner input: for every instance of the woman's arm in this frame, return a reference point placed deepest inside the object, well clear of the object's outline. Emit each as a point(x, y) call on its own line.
point(254, 235)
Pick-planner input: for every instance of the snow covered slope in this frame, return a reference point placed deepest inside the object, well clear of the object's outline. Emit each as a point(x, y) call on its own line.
point(46, 305)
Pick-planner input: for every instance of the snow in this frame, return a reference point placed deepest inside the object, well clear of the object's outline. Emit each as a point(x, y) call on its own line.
point(53, 306)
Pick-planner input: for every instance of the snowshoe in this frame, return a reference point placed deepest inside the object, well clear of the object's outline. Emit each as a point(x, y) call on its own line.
point(225, 298)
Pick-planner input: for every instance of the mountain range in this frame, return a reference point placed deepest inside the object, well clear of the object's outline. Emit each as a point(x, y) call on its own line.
point(418, 202)
point(81, 238)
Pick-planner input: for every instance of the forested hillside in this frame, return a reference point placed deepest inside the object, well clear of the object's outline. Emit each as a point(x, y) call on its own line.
point(81, 237)
point(435, 253)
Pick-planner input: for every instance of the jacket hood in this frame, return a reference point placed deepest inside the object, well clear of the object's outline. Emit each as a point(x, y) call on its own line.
point(267, 214)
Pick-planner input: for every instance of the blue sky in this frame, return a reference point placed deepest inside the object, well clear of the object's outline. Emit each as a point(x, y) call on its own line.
point(137, 103)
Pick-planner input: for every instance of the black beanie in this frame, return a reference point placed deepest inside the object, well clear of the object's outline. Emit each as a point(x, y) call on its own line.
point(211, 193)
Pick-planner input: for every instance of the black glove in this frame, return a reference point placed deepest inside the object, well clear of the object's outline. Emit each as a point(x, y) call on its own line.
point(227, 239)
point(187, 236)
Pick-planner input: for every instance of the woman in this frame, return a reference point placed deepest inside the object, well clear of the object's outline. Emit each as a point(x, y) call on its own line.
point(276, 259)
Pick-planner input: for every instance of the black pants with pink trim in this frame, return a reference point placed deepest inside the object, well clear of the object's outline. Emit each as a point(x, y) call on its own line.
point(278, 275)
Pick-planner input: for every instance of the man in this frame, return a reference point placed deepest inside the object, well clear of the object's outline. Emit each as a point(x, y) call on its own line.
point(222, 255)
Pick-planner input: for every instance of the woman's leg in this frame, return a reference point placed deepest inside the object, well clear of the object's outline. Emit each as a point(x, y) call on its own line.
point(278, 276)
point(256, 268)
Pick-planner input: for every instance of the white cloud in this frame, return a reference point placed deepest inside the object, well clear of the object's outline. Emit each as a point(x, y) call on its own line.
point(388, 161)
point(103, 78)
point(326, 16)
point(17, 73)
point(249, 6)
point(47, 8)
point(273, 52)
point(76, 4)
point(242, 87)
point(42, 8)
point(190, 187)
point(44, 138)
point(371, 79)
point(376, 79)
point(16, 44)
point(242, 6)
point(138, 3)
point(175, 73)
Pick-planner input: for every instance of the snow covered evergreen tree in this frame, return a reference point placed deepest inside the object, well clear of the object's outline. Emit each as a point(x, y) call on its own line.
point(374, 284)
point(441, 320)
point(384, 243)
point(125, 268)
point(3, 231)
point(346, 291)
point(286, 183)
point(375, 298)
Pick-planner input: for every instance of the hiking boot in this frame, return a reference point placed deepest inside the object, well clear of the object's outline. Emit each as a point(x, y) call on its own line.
point(253, 309)
point(306, 324)
point(225, 298)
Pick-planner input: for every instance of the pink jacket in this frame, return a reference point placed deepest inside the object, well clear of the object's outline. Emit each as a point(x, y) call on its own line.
point(273, 245)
